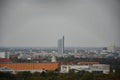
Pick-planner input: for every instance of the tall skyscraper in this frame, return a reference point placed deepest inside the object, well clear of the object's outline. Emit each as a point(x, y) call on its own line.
point(61, 45)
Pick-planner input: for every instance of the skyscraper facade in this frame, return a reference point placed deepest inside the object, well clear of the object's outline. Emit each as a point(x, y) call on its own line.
point(61, 45)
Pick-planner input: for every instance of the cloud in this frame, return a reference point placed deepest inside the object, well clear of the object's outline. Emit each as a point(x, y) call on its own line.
point(42, 22)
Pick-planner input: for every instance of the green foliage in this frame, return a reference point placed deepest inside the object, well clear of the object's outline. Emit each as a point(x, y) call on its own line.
point(15, 59)
point(36, 74)
point(23, 75)
point(87, 76)
point(51, 75)
point(79, 74)
point(6, 76)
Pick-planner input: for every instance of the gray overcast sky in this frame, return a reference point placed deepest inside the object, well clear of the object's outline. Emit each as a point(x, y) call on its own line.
point(40, 23)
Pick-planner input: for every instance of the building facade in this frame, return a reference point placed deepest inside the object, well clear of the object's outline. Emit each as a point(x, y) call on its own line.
point(32, 67)
point(61, 45)
point(112, 48)
point(53, 59)
point(103, 68)
point(4, 55)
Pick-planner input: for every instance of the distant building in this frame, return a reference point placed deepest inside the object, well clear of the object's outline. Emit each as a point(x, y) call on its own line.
point(75, 51)
point(4, 55)
point(104, 51)
point(5, 60)
point(97, 68)
point(61, 45)
point(53, 59)
point(112, 48)
point(88, 63)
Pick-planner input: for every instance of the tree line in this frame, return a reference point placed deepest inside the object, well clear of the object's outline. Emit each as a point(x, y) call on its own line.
point(52, 75)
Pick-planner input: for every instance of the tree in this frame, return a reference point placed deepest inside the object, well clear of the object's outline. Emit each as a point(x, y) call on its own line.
point(6, 76)
point(23, 75)
point(87, 76)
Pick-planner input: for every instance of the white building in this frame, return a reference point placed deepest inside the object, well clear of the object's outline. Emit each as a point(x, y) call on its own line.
point(4, 55)
point(112, 48)
point(90, 68)
point(53, 59)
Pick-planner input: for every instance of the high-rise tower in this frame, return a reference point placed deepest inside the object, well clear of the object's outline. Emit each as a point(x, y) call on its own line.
point(61, 45)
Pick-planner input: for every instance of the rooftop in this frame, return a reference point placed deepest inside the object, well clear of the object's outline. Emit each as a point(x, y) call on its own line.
point(88, 63)
point(4, 60)
point(31, 66)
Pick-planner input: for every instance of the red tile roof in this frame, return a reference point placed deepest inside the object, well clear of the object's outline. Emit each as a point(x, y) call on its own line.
point(31, 66)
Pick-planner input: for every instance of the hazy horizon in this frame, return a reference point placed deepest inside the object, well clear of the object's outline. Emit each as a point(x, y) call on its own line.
point(40, 23)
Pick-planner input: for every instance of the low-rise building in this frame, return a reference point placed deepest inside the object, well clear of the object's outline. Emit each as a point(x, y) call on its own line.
point(4, 55)
point(5, 60)
point(32, 67)
point(103, 68)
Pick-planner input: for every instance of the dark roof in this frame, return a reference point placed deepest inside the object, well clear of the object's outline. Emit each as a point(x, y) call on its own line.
point(4, 60)
point(83, 63)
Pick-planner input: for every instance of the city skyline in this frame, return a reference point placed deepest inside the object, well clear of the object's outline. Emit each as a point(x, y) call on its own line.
point(40, 23)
